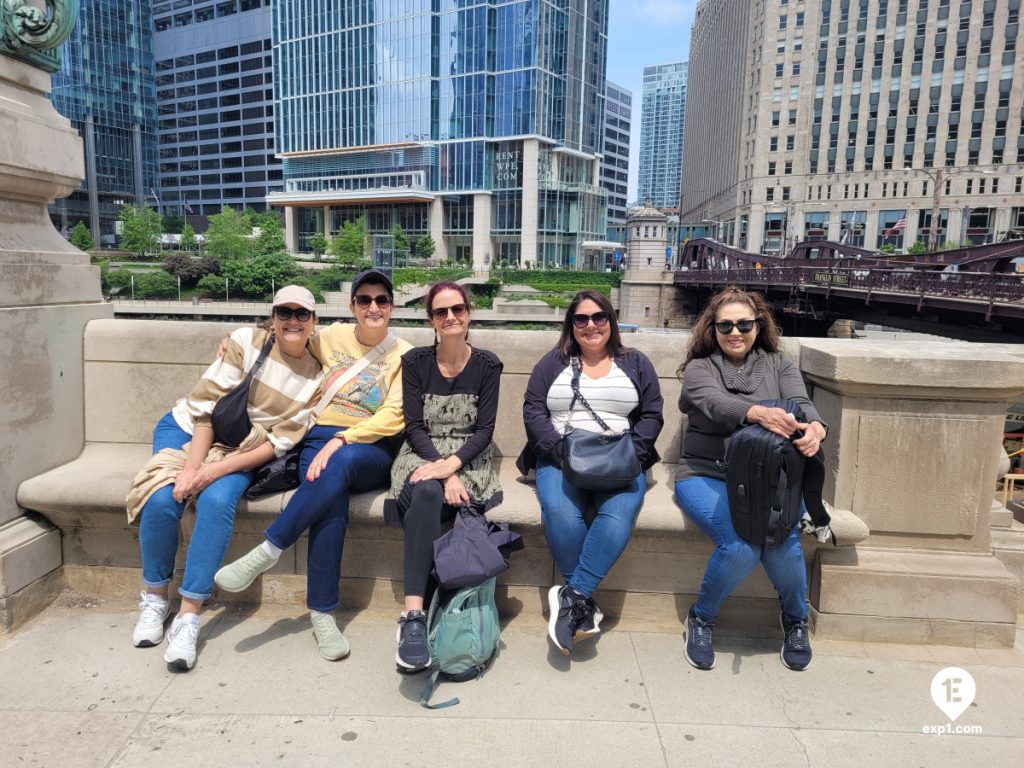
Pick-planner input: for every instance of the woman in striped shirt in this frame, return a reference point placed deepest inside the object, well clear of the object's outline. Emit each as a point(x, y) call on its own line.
point(192, 464)
point(622, 388)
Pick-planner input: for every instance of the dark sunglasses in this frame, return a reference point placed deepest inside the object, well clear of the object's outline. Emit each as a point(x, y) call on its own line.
point(383, 300)
point(600, 319)
point(440, 313)
point(725, 326)
point(285, 313)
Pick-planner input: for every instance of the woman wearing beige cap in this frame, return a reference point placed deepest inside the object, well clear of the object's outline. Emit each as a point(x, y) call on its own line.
point(203, 455)
point(350, 449)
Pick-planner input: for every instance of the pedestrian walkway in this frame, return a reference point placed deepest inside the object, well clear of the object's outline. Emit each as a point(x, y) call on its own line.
point(73, 692)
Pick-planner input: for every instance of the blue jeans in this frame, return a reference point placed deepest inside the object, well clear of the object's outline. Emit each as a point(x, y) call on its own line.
point(321, 507)
point(585, 555)
point(706, 502)
point(161, 515)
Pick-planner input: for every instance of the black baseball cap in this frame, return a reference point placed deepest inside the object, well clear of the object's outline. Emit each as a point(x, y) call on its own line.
point(372, 276)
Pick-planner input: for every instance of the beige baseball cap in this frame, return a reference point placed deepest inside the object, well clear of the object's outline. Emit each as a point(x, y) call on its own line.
point(295, 294)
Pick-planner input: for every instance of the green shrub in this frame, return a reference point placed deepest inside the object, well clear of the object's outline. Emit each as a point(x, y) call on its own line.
point(211, 285)
point(152, 284)
point(119, 278)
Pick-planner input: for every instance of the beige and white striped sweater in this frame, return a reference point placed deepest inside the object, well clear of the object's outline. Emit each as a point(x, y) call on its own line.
point(281, 398)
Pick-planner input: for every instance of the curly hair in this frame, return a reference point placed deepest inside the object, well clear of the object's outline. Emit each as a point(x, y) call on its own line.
point(703, 342)
point(567, 344)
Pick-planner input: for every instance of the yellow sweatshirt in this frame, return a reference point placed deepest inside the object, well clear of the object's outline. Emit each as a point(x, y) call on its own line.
point(369, 406)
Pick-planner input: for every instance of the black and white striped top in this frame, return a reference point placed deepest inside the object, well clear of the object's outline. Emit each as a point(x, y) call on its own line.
point(613, 396)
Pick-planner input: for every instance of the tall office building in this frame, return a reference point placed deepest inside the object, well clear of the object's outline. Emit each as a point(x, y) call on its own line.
point(474, 122)
point(215, 97)
point(854, 120)
point(105, 88)
point(618, 116)
point(662, 118)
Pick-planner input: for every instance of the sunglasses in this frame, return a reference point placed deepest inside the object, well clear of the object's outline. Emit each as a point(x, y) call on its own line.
point(581, 321)
point(383, 300)
point(285, 313)
point(725, 326)
point(440, 313)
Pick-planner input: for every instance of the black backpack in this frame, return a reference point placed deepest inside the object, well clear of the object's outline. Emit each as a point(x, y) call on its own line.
point(769, 481)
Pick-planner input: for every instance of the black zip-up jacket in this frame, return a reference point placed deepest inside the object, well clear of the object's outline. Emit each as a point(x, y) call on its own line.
point(543, 440)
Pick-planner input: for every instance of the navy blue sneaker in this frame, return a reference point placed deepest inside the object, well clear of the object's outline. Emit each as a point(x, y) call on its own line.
point(413, 652)
point(796, 648)
point(699, 634)
point(569, 610)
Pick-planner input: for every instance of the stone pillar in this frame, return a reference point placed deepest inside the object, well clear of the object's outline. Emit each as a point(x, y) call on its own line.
point(48, 292)
point(437, 228)
point(528, 245)
point(482, 245)
point(291, 228)
point(909, 451)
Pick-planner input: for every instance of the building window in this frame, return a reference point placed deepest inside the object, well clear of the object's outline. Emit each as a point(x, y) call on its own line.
point(771, 168)
point(783, 21)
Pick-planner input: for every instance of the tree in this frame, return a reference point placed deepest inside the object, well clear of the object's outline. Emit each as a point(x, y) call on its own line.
point(260, 274)
point(173, 225)
point(140, 229)
point(80, 237)
point(401, 239)
point(155, 284)
point(349, 247)
point(190, 270)
point(425, 247)
point(225, 237)
point(188, 238)
point(318, 244)
point(271, 237)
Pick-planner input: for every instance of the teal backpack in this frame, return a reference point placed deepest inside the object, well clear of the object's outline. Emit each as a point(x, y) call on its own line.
point(463, 634)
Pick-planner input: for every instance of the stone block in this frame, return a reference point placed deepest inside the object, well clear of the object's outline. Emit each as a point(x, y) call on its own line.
point(29, 549)
point(924, 592)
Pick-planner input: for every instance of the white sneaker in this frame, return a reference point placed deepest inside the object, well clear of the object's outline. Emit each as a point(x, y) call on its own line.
point(149, 629)
point(181, 643)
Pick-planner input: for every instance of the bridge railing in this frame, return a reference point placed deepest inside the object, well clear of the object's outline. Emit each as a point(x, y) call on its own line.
point(1003, 288)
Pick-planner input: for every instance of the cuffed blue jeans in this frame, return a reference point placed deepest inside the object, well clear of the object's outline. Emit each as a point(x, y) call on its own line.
point(321, 507)
point(583, 554)
point(161, 515)
point(706, 502)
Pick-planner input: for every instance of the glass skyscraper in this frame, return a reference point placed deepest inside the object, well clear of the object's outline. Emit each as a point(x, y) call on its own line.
point(618, 117)
point(106, 89)
point(216, 105)
point(478, 123)
point(662, 115)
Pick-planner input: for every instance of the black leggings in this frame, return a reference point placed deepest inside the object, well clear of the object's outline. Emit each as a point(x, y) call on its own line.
point(425, 511)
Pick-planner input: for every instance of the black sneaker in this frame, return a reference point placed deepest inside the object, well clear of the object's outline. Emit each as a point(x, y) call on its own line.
point(796, 648)
point(413, 652)
point(591, 623)
point(569, 610)
point(698, 649)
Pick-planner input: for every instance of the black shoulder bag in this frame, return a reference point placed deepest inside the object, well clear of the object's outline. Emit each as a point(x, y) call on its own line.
point(595, 461)
point(230, 415)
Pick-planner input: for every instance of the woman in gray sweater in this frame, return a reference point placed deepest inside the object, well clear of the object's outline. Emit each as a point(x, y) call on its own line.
point(732, 364)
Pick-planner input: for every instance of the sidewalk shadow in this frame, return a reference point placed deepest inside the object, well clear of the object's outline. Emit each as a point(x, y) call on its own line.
point(277, 630)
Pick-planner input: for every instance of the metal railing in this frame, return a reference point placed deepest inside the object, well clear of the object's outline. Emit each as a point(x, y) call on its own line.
point(969, 286)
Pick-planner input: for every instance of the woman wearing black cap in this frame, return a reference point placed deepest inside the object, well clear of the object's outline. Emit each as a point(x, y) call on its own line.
point(350, 449)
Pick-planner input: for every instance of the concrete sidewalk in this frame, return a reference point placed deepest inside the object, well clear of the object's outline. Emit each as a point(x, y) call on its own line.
point(73, 692)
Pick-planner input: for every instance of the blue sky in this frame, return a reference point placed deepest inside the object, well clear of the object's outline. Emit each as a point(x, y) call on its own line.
point(642, 33)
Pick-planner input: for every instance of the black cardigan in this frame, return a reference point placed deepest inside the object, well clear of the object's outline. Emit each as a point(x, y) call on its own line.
point(543, 440)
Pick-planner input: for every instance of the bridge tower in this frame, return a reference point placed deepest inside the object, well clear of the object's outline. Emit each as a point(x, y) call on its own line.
point(647, 296)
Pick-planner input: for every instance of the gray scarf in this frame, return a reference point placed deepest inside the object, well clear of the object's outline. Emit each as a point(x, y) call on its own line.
point(745, 378)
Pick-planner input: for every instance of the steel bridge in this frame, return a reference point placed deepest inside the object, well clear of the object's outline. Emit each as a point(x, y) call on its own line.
point(968, 293)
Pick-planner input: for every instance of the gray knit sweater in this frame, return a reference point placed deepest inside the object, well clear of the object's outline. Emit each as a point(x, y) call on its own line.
point(716, 397)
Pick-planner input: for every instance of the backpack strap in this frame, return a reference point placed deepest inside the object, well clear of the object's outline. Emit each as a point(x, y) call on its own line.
point(428, 690)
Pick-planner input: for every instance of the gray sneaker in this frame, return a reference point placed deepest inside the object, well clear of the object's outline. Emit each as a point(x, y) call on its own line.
point(329, 640)
point(239, 575)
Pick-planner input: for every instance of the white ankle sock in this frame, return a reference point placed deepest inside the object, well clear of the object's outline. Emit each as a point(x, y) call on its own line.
point(270, 549)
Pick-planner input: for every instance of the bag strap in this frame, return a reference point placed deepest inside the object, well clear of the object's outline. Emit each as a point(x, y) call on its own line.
point(378, 351)
point(428, 691)
point(577, 371)
point(259, 362)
